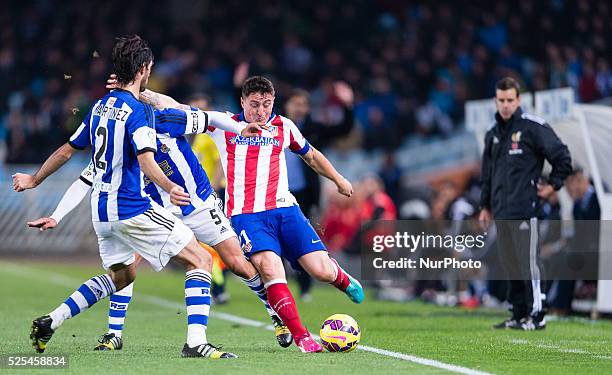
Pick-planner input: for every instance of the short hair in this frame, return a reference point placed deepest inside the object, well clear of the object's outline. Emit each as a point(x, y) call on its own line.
point(257, 84)
point(577, 170)
point(129, 54)
point(508, 83)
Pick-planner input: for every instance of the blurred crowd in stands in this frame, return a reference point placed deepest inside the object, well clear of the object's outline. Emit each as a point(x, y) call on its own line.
point(406, 67)
point(412, 64)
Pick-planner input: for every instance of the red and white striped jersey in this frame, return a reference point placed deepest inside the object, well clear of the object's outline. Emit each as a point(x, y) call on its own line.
point(255, 167)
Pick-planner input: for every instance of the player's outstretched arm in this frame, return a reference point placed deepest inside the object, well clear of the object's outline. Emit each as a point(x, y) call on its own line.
point(161, 101)
point(72, 197)
point(157, 100)
point(22, 181)
point(177, 122)
point(214, 118)
point(150, 168)
point(224, 122)
point(319, 163)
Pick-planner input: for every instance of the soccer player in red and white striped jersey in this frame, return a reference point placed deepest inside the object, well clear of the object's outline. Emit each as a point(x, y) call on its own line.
point(266, 215)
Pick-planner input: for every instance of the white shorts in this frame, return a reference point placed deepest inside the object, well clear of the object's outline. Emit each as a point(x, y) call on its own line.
point(155, 234)
point(209, 223)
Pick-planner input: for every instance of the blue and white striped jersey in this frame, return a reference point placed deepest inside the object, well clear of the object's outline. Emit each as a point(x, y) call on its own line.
point(175, 158)
point(118, 127)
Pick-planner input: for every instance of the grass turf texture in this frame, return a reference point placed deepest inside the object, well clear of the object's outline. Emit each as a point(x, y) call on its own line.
point(154, 335)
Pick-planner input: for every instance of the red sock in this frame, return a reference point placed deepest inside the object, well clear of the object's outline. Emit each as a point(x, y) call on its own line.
point(342, 281)
point(281, 300)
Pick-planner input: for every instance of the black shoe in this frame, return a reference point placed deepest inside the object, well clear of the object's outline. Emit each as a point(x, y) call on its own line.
point(526, 324)
point(283, 336)
point(109, 341)
point(41, 333)
point(530, 324)
point(205, 351)
point(539, 321)
point(506, 324)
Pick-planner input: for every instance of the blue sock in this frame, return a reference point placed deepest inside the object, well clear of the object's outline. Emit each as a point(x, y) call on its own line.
point(258, 288)
point(92, 290)
point(197, 298)
point(118, 306)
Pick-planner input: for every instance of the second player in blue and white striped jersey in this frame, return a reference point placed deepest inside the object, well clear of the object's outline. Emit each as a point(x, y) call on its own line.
point(176, 158)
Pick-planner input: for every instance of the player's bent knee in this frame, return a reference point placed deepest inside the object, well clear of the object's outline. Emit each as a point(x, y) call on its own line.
point(193, 256)
point(269, 265)
point(318, 265)
point(234, 259)
point(202, 258)
point(122, 275)
point(240, 266)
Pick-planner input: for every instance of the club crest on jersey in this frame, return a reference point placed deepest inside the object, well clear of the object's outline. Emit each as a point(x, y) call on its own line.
point(165, 149)
point(246, 248)
point(273, 130)
point(514, 148)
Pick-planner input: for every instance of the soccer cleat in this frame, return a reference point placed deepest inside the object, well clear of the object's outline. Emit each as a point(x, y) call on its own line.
point(508, 323)
point(205, 351)
point(539, 320)
point(307, 344)
point(109, 341)
point(41, 333)
point(354, 290)
point(530, 324)
point(525, 324)
point(540, 324)
point(283, 336)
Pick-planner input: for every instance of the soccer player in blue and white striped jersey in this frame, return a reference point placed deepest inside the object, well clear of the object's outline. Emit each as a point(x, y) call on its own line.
point(121, 132)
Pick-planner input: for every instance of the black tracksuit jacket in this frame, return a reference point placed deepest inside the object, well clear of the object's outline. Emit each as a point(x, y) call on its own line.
point(513, 158)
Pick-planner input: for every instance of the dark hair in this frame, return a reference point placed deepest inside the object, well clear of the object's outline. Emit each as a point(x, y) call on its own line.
point(129, 54)
point(508, 83)
point(257, 84)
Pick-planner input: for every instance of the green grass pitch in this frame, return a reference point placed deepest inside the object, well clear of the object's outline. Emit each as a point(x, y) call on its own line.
point(155, 332)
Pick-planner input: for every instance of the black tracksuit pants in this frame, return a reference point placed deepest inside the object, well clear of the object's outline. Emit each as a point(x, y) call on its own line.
point(518, 248)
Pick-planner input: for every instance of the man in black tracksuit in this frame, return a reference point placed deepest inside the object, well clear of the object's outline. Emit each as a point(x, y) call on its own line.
point(514, 152)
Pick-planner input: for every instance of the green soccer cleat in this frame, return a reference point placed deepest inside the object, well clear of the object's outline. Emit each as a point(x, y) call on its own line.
point(206, 351)
point(41, 333)
point(109, 341)
point(354, 290)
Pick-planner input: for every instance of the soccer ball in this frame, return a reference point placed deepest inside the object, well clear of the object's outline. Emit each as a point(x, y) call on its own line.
point(340, 333)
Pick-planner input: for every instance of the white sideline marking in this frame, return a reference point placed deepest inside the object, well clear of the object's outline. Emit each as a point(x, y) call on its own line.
point(69, 282)
point(558, 348)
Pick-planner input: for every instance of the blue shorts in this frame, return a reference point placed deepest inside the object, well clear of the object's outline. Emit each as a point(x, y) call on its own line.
point(285, 231)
